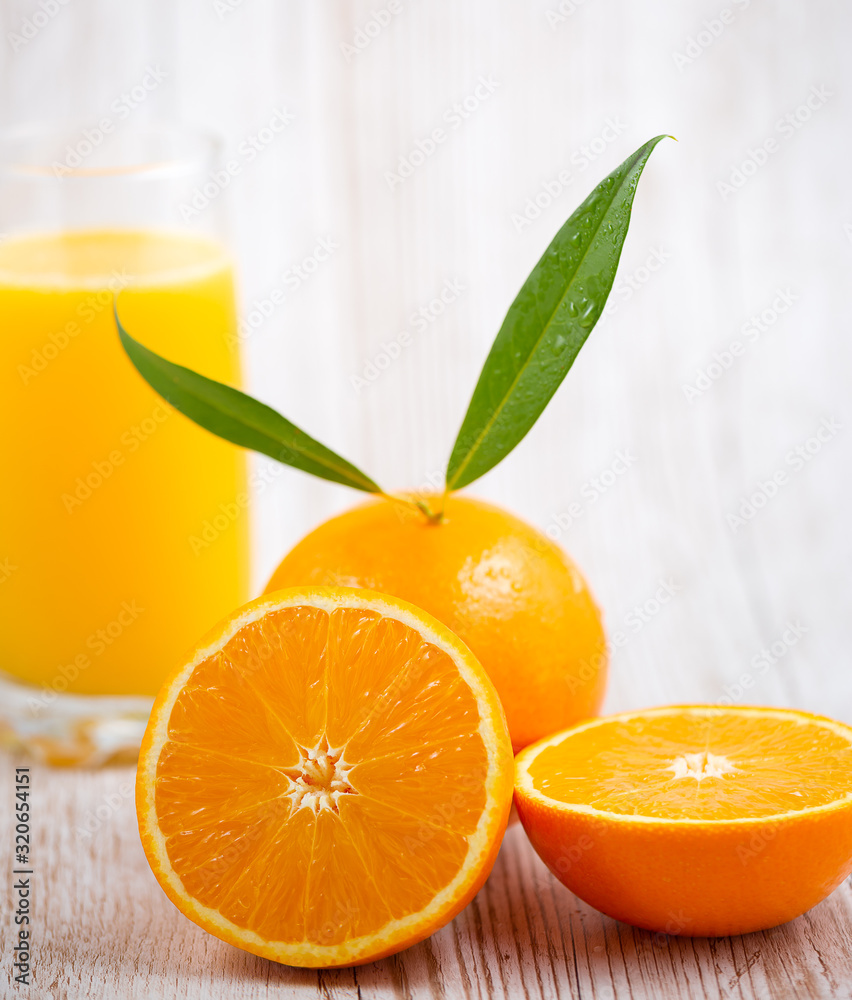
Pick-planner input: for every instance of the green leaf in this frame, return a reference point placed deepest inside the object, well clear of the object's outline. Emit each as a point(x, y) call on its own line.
point(547, 324)
point(239, 418)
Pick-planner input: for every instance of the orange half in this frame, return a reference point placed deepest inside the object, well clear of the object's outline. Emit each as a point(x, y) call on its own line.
point(326, 780)
point(694, 820)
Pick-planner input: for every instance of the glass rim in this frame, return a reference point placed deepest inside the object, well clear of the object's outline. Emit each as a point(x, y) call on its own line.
point(202, 147)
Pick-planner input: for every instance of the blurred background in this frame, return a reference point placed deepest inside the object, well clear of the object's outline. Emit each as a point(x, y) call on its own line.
point(696, 461)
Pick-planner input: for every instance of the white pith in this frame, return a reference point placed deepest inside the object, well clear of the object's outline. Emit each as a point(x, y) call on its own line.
point(320, 778)
point(700, 765)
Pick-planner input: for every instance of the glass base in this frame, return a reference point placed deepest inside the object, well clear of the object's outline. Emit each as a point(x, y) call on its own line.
point(71, 729)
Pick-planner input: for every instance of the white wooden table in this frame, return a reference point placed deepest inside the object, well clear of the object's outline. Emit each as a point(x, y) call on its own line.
point(571, 86)
point(104, 929)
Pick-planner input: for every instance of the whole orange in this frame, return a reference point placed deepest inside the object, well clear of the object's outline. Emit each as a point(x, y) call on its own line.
point(511, 594)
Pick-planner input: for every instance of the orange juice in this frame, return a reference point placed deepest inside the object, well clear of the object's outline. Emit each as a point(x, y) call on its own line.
point(123, 530)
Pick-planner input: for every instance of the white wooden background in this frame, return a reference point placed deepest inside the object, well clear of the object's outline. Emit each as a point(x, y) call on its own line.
point(560, 73)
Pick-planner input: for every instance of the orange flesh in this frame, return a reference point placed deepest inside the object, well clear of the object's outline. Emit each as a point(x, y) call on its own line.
point(698, 765)
point(321, 776)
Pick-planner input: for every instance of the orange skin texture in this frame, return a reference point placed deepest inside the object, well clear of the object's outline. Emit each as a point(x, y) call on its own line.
point(510, 594)
point(695, 880)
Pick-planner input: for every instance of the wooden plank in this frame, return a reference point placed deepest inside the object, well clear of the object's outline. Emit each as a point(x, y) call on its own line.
point(103, 928)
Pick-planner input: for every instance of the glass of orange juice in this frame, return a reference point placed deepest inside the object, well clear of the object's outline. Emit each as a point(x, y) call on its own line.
point(107, 575)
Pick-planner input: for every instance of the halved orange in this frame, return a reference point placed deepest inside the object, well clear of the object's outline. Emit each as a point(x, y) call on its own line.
point(694, 820)
point(326, 780)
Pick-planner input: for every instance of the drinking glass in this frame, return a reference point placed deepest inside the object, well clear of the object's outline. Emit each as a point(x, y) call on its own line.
point(110, 567)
